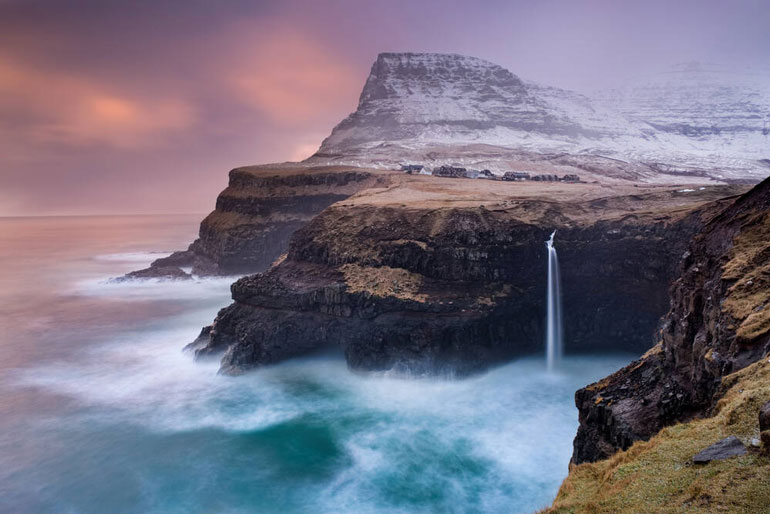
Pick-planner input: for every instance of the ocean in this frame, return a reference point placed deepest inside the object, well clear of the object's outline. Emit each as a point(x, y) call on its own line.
point(102, 412)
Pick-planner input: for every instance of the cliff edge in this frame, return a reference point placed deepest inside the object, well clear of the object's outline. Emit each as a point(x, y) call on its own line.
point(256, 215)
point(718, 323)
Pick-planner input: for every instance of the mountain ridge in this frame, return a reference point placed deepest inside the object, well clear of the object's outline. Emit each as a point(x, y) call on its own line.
point(435, 104)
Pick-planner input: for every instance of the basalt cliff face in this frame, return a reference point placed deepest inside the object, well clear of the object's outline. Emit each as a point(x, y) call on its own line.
point(436, 275)
point(717, 324)
point(256, 215)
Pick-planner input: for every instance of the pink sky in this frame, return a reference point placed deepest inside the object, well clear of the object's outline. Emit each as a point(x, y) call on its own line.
point(143, 107)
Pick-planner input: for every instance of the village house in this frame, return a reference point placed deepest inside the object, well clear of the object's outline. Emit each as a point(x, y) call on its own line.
point(450, 171)
point(515, 175)
point(411, 168)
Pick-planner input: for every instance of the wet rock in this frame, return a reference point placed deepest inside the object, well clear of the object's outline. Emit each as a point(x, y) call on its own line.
point(166, 272)
point(181, 259)
point(200, 342)
point(724, 449)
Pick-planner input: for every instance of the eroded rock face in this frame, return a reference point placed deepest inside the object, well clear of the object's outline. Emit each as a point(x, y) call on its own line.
point(718, 323)
point(259, 211)
point(454, 289)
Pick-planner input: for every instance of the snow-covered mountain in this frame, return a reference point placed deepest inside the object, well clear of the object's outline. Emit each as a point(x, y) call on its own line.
point(707, 113)
point(440, 105)
point(447, 98)
point(695, 100)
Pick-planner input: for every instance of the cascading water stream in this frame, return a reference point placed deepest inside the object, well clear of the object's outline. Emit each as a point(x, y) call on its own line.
point(553, 341)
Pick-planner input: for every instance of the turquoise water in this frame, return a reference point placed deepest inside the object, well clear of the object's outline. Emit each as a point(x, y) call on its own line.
point(100, 411)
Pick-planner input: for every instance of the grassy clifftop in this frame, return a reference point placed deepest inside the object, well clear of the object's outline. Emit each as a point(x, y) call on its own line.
point(658, 475)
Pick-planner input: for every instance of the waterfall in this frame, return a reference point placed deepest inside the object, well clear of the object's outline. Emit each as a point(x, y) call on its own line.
point(553, 340)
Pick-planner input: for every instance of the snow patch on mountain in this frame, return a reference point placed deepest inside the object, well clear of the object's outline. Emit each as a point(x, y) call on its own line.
point(706, 111)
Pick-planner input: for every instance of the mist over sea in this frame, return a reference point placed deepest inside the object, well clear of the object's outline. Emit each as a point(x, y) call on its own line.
point(102, 412)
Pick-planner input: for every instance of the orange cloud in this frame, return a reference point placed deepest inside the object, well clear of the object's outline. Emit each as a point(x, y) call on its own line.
point(304, 150)
point(56, 107)
point(291, 78)
point(121, 121)
point(111, 109)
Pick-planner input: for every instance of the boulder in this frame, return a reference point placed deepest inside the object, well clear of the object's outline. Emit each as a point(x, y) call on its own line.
point(724, 449)
point(182, 259)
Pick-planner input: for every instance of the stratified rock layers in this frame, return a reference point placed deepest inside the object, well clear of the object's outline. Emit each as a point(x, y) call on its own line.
point(718, 323)
point(259, 211)
point(434, 288)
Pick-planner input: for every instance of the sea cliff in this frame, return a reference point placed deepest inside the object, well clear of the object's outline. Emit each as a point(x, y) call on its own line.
point(256, 215)
point(717, 324)
point(435, 275)
point(705, 380)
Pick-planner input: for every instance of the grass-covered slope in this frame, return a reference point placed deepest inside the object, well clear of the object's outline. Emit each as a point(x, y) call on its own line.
point(658, 475)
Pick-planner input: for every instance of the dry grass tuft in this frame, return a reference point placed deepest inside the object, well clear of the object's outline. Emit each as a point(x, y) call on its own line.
point(384, 281)
point(749, 266)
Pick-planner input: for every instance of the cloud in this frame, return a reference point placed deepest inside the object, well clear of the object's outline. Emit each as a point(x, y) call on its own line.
point(46, 106)
point(290, 77)
point(91, 122)
point(122, 121)
point(304, 150)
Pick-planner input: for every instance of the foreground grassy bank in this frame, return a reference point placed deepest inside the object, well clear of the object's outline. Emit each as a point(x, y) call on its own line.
point(658, 475)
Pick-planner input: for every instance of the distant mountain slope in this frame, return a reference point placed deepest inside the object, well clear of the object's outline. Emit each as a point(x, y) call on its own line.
point(447, 98)
point(440, 108)
point(718, 115)
point(697, 100)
